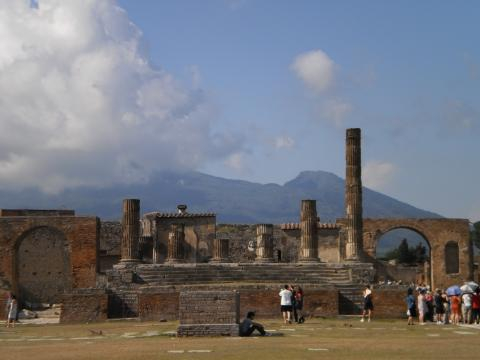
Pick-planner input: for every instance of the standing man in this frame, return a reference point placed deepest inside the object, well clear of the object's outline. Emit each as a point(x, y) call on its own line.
point(286, 304)
point(367, 304)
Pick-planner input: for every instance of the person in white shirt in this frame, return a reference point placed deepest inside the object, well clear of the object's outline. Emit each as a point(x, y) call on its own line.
point(286, 304)
point(466, 307)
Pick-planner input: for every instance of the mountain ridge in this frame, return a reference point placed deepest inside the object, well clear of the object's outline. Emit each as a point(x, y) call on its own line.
point(233, 200)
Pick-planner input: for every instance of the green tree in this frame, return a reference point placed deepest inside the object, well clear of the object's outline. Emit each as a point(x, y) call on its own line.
point(404, 254)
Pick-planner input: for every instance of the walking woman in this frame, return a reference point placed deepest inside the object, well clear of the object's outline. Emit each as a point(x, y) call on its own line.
point(367, 304)
point(299, 305)
point(411, 308)
point(12, 312)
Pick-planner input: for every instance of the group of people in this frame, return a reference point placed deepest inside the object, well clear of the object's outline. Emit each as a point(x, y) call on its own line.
point(11, 309)
point(442, 308)
point(291, 303)
point(291, 306)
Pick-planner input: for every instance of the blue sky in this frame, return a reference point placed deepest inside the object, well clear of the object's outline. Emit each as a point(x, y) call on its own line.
point(409, 72)
point(92, 95)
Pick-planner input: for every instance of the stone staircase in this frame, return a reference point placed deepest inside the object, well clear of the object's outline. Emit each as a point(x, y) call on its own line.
point(350, 299)
point(186, 274)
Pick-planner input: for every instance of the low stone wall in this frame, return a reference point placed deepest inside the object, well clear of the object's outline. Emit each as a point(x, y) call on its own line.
point(163, 303)
point(389, 302)
point(266, 302)
point(84, 306)
point(208, 313)
point(3, 303)
point(158, 305)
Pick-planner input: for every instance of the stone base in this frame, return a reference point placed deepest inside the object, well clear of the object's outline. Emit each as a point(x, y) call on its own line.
point(208, 330)
point(309, 260)
point(219, 261)
point(174, 261)
point(264, 260)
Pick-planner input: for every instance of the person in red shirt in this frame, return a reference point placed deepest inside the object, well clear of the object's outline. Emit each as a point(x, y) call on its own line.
point(455, 309)
point(476, 306)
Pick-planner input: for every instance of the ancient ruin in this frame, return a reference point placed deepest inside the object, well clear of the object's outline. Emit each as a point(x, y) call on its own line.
point(139, 267)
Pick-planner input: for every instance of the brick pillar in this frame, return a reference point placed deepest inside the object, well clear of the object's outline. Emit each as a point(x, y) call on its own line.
point(353, 196)
point(308, 231)
point(264, 243)
point(130, 230)
point(176, 239)
point(220, 250)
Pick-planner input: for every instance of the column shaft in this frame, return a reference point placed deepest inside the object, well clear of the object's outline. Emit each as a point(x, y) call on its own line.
point(308, 231)
point(264, 248)
point(176, 239)
point(130, 230)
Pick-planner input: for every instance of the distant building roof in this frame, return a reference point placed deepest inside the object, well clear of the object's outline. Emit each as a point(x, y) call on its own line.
point(296, 226)
point(35, 212)
point(179, 215)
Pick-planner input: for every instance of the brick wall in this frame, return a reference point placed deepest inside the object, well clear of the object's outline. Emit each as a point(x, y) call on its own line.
point(164, 303)
point(80, 234)
point(158, 306)
point(3, 304)
point(208, 313)
point(389, 302)
point(84, 306)
point(266, 302)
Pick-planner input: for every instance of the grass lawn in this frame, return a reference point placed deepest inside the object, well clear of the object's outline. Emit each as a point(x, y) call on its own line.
point(316, 339)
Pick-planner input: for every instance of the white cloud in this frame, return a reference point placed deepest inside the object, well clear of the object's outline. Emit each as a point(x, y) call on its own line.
point(284, 142)
point(378, 174)
point(315, 69)
point(81, 105)
point(335, 110)
point(237, 162)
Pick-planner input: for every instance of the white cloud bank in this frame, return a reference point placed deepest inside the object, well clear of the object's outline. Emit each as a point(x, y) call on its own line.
point(284, 142)
point(81, 105)
point(378, 174)
point(315, 69)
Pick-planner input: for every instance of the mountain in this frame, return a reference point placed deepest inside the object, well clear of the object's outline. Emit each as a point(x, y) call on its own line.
point(234, 201)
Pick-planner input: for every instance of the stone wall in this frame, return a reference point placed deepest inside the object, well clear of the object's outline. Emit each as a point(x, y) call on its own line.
point(208, 313)
point(110, 241)
point(158, 305)
point(389, 302)
point(84, 306)
point(80, 247)
point(3, 304)
point(438, 233)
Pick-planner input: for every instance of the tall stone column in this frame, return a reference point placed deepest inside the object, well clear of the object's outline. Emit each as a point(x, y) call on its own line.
point(130, 231)
point(308, 231)
point(176, 239)
point(156, 251)
point(353, 196)
point(220, 250)
point(264, 243)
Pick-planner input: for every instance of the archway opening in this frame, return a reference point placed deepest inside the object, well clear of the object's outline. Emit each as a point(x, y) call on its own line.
point(42, 266)
point(403, 256)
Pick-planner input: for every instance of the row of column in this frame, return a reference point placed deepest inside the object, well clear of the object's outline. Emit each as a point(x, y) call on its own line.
point(176, 237)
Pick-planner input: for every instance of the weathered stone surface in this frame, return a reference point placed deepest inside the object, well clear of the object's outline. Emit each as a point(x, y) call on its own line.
point(208, 313)
point(308, 231)
point(130, 230)
point(80, 235)
point(353, 195)
point(264, 243)
point(84, 305)
point(438, 233)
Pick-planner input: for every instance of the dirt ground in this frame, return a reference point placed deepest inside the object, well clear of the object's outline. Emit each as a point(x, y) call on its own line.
point(316, 339)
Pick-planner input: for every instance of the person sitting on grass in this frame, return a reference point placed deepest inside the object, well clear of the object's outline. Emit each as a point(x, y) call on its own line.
point(248, 326)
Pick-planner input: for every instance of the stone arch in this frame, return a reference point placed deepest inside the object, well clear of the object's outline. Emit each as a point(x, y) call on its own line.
point(406, 273)
point(452, 258)
point(437, 232)
point(42, 265)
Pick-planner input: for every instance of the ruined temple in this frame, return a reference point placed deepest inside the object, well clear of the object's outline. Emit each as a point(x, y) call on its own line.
point(139, 266)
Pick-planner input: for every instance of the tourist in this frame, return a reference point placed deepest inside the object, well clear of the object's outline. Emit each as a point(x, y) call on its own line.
point(446, 306)
point(248, 326)
point(12, 311)
point(299, 305)
point(455, 310)
point(430, 307)
point(439, 307)
point(422, 306)
point(294, 303)
point(411, 308)
point(476, 306)
point(466, 307)
point(367, 304)
point(286, 304)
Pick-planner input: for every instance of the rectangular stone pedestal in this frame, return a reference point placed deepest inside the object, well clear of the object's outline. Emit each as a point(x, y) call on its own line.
point(208, 313)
